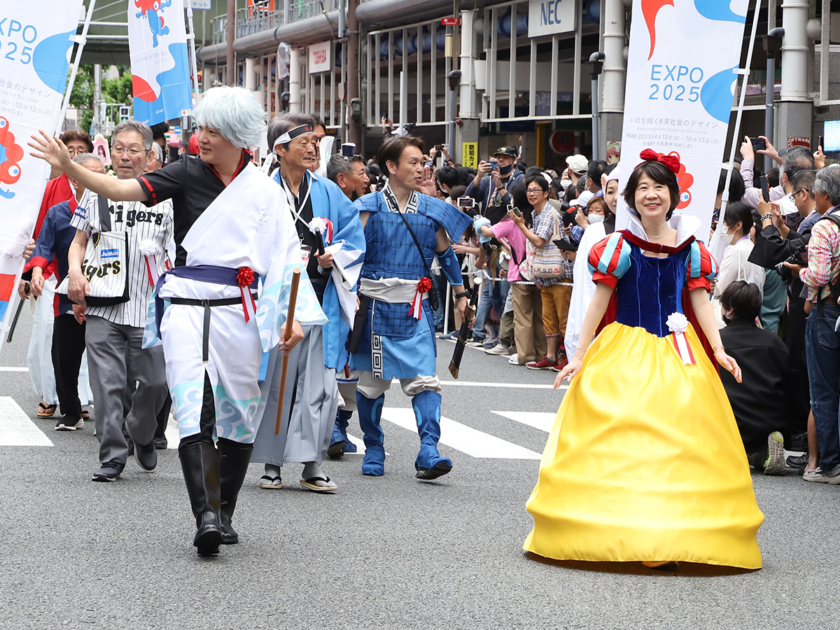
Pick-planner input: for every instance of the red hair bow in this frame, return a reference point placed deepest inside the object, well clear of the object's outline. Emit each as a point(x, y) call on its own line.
point(671, 161)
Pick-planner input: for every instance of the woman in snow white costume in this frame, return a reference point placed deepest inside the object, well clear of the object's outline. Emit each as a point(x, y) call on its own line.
point(644, 462)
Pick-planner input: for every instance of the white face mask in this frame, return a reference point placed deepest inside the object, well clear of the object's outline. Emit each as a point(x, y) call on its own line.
point(595, 218)
point(787, 205)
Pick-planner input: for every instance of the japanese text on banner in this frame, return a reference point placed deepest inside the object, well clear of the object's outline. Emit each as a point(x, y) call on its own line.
point(34, 58)
point(680, 80)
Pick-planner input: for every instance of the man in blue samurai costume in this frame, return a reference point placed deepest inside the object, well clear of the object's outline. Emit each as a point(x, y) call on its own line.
point(323, 218)
point(394, 333)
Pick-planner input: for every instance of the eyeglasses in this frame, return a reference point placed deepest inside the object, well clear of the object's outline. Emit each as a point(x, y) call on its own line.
point(534, 191)
point(132, 151)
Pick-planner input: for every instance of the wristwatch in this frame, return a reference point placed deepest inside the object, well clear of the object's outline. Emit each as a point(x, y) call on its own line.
point(462, 294)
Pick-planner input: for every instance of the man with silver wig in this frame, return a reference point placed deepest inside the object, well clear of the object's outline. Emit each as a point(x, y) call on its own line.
point(231, 229)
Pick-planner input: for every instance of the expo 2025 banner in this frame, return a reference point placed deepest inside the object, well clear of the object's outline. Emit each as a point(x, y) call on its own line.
point(35, 49)
point(681, 75)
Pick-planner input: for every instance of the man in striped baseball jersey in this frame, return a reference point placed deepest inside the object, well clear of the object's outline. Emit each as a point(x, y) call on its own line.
point(114, 334)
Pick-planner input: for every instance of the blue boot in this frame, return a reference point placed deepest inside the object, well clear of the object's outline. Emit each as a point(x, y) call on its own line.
point(370, 413)
point(429, 463)
point(344, 421)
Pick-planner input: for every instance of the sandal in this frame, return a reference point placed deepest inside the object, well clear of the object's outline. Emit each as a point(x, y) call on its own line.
point(312, 484)
point(85, 414)
point(271, 483)
point(46, 411)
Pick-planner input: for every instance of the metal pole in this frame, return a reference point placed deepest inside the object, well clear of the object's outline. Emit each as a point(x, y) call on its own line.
point(351, 52)
point(231, 36)
point(97, 98)
point(768, 104)
point(717, 238)
point(342, 8)
point(596, 60)
point(191, 37)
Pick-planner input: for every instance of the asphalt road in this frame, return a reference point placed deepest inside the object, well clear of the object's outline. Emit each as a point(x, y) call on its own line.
point(387, 552)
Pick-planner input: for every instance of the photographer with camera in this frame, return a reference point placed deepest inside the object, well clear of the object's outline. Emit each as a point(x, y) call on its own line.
point(776, 243)
point(492, 192)
point(821, 338)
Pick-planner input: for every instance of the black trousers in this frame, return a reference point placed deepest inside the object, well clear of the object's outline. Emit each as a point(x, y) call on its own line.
point(68, 345)
point(795, 341)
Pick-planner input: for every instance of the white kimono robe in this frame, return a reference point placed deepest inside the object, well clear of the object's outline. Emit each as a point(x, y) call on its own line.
point(246, 226)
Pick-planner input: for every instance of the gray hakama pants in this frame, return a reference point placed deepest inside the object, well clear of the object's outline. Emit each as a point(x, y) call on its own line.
point(305, 435)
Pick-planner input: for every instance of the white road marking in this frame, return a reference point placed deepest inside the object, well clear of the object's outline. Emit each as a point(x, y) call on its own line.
point(537, 419)
point(13, 369)
point(360, 445)
point(499, 385)
point(463, 438)
point(16, 428)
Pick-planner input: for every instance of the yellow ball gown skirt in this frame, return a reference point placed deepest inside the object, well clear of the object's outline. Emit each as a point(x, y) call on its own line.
point(645, 462)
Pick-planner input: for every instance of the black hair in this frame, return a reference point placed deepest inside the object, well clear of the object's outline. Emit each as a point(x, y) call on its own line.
point(659, 173)
point(539, 179)
point(392, 149)
point(736, 185)
point(457, 191)
point(448, 176)
point(743, 299)
point(736, 212)
point(464, 176)
point(773, 177)
point(595, 170)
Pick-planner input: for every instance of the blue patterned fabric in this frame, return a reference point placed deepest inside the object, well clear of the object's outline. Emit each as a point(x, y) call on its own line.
point(651, 289)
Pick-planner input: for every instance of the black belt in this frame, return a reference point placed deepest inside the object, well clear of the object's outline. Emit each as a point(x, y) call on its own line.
point(207, 304)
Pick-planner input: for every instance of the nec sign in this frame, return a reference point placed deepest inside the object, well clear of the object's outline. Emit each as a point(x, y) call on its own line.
point(548, 17)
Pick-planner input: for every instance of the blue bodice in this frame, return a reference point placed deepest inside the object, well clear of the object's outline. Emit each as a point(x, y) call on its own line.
point(391, 252)
point(651, 290)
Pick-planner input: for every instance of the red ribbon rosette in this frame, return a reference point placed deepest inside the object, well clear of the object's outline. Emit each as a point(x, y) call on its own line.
point(245, 278)
point(672, 162)
point(423, 286)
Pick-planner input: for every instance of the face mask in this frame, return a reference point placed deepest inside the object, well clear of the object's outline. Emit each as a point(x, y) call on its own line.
point(504, 170)
point(595, 218)
point(787, 205)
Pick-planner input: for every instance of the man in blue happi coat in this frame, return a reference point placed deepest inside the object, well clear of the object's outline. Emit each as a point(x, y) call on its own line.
point(394, 333)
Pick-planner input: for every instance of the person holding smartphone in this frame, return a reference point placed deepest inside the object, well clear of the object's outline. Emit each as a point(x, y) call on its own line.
point(493, 192)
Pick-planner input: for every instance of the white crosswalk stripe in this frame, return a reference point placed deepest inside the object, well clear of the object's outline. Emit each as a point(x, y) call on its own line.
point(463, 438)
point(536, 419)
point(16, 428)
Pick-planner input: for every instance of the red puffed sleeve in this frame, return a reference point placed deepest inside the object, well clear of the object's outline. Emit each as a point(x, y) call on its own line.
point(609, 259)
point(702, 269)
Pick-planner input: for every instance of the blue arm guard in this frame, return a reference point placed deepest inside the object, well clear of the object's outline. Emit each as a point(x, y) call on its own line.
point(478, 223)
point(449, 265)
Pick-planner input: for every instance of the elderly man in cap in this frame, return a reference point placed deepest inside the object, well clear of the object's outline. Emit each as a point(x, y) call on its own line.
point(492, 192)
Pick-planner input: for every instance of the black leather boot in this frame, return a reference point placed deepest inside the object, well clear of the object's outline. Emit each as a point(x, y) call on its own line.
point(200, 463)
point(235, 458)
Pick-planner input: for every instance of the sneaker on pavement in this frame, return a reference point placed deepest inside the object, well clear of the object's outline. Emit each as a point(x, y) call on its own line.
point(815, 476)
point(560, 365)
point(475, 343)
point(450, 335)
point(543, 364)
point(69, 423)
point(146, 456)
point(514, 359)
point(834, 476)
point(498, 349)
point(161, 443)
point(775, 462)
point(109, 471)
point(797, 462)
point(490, 343)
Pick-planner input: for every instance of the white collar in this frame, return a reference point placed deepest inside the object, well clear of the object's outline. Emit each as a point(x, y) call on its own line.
point(685, 225)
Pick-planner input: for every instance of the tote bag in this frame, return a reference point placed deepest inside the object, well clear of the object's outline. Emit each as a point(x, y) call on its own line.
point(106, 263)
point(549, 262)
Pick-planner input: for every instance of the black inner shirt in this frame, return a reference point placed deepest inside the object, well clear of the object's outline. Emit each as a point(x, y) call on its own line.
point(192, 185)
point(302, 217)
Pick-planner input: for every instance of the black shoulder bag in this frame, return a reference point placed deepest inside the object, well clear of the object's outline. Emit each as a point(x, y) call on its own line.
point(434, 300)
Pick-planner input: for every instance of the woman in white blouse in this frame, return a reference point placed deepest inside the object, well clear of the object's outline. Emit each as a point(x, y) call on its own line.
point(738, 223)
